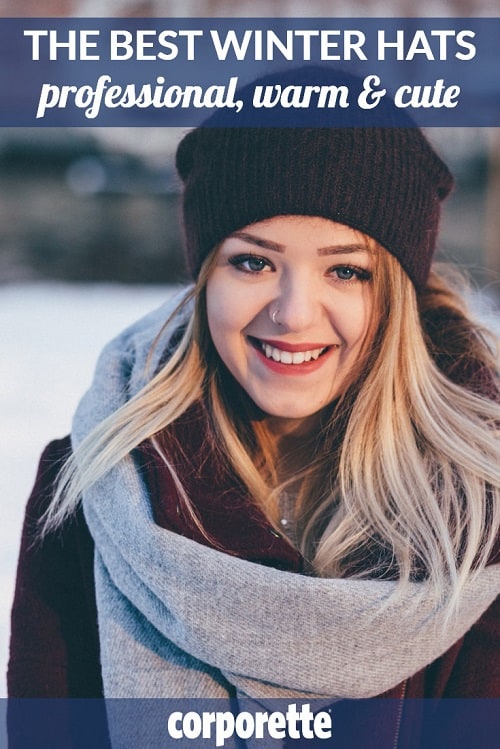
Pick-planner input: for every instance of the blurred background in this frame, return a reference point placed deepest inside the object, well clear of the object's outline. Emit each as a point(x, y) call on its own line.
point(90, 239)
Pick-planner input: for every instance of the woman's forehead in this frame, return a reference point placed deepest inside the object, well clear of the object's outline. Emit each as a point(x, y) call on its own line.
point(316, 227)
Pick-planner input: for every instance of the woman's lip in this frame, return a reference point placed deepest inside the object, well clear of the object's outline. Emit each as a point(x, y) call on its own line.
point(292, 347)
point(307, 367)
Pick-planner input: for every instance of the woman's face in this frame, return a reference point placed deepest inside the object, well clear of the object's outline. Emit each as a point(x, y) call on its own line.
point(289, 303)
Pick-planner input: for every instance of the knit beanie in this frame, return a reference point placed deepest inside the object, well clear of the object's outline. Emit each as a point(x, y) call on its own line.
point(386, 182)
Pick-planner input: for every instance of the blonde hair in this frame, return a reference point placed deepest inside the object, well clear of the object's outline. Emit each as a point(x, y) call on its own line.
point(419, 470)
point(406, 478)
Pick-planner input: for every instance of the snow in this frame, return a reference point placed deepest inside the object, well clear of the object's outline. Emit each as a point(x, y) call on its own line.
point(50, 337)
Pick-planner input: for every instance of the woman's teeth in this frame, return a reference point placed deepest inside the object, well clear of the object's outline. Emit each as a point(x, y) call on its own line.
point(291, 357)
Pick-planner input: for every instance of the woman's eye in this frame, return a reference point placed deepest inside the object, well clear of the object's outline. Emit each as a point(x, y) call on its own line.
point(349, 273)
point(250, 263)
point(344, 274)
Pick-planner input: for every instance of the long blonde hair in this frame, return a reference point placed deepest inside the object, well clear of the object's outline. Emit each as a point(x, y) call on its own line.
point(406, 477)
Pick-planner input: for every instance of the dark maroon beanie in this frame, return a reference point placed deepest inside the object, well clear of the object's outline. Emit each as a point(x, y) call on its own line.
point(384, 181)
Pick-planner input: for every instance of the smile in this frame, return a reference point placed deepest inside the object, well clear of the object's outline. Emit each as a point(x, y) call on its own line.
point(282, 356)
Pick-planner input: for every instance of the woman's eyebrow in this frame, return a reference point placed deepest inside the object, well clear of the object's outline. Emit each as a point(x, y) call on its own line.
point(342, 249)
point(336, 249)
point(267, 244)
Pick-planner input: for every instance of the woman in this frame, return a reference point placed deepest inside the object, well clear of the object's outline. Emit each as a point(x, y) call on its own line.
point(318, 403)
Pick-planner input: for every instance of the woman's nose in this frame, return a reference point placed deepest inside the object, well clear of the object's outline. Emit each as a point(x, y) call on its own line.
point(296, 305)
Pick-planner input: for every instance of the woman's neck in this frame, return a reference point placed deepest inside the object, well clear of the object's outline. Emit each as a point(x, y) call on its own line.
point(296, 443)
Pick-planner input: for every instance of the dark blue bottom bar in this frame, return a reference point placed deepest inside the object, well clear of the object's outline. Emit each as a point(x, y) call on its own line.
point(231, 724)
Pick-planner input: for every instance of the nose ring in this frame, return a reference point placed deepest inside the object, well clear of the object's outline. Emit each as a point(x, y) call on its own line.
point(273, 316)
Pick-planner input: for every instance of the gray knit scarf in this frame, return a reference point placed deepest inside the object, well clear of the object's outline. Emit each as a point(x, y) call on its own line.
point(178, 619)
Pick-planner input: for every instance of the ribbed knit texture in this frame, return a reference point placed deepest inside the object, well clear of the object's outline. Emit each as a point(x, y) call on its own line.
point(385, 181)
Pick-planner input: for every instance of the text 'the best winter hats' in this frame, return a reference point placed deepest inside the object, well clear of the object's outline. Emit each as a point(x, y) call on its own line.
point(384, 181)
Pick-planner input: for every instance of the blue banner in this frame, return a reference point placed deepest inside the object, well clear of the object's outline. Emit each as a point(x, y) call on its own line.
point(231, 724)
point(179, 72)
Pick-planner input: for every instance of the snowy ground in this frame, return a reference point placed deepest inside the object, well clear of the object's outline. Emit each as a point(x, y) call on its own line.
point(50, 336)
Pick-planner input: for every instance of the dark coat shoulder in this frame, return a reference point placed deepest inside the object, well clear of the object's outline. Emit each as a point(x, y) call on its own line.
point(54, 648)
